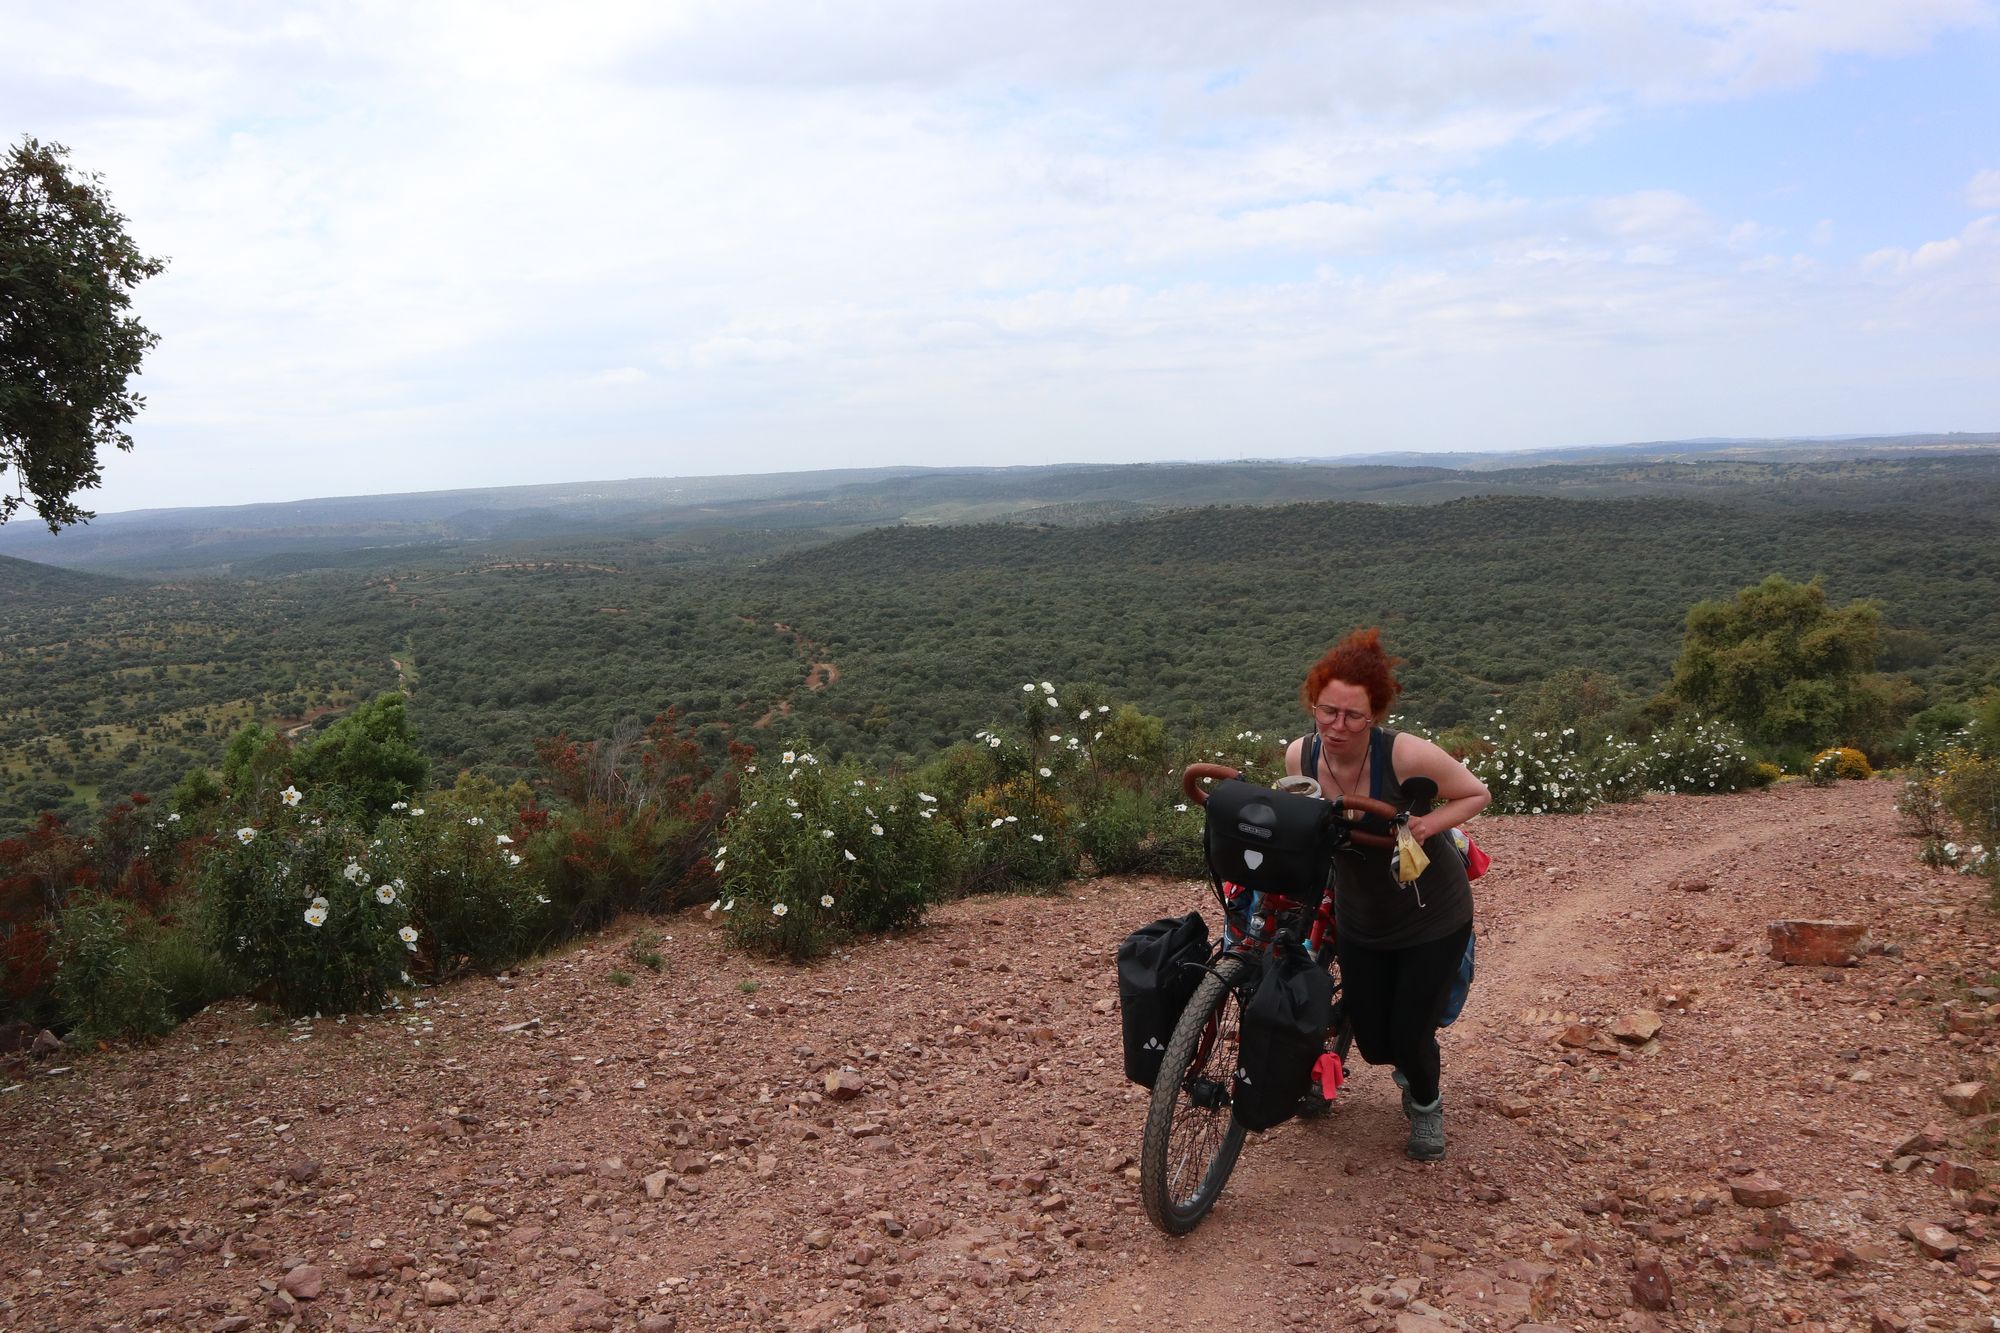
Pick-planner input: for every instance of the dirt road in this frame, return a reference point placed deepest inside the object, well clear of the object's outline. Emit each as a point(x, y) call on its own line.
point(436, 1170)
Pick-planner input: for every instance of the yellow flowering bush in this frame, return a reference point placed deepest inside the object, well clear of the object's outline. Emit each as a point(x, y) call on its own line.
point(1837, 762)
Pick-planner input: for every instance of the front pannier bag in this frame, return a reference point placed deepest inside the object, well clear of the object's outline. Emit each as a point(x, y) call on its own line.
point(1284, 1023)
point(1270, 841)
point(1159, 967)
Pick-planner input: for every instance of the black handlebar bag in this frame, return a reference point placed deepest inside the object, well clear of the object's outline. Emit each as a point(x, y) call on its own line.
point(1269, 841)
point(1159, 966)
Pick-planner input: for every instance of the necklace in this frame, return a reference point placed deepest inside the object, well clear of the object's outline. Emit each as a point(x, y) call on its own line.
point(1360, 768)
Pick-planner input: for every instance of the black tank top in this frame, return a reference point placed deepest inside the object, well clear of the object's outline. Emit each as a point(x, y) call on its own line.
point(1369, 906)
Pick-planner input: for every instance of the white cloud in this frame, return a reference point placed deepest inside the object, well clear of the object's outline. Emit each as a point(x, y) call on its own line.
point(910, 227)
point(1983, 192)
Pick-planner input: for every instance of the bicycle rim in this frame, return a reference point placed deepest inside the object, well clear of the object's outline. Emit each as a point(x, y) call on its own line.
point(1192, 1137)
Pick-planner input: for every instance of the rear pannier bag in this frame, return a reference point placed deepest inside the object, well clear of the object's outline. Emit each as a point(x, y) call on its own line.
point(1284, 1024)
point(1159, 967)
point(1270, 841)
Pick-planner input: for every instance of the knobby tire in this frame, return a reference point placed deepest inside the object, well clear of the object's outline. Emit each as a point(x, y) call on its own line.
point(1189, 1150)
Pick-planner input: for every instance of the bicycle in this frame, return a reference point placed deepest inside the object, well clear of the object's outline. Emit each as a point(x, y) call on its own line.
point(1192, 1136)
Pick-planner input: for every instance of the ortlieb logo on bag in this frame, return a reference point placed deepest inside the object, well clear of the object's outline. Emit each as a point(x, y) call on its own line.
point(1159, 966)
point(1284, 1022)
point(1271, 841)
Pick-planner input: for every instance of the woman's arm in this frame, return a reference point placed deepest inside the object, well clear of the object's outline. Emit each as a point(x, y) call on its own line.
point(1294, 756)
point(1460, 794)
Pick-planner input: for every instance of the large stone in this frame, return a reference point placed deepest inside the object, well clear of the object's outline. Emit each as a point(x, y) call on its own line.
point(305, 1282)
point(440, 1293)
point(1489, 1290)
point(845, 1085)
point(1969, 1098)
point(1932, 1239)
point(1652, 1289)
point(1539, 1280)
point(1759, 1192)
point(1637, 1028)
point(1957, 1176)
point(1817, 943)
point(1931, 1138)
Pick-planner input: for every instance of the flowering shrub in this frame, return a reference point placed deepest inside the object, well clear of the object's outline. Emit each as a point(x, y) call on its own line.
point(1836, 762)
point(1018, 836)
point(816, 853)
point(292, 904)
point(1548, 772)
point(1953, 803)
point(455, 866)
point(1698, 757)
point(1564, 772)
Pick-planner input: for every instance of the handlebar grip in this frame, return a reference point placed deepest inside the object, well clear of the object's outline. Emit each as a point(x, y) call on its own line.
point(1192, 775)
point(1356, 808)
point(1351, 810)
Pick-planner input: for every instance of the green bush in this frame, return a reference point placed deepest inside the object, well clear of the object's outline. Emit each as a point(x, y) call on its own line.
point(1968, 786)
point(300, 906)
point(1116, 834)
point(368, 754)
point(1933, 729)
point(468, 891)
point(122, 973)
point(815, 854)
point(1018, 836)
point(1131, 833)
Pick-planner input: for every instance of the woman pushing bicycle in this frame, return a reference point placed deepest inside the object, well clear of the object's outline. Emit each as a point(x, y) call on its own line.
point(1399, 945)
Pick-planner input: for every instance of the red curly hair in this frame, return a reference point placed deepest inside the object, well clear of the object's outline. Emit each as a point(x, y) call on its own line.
point(1360, 660)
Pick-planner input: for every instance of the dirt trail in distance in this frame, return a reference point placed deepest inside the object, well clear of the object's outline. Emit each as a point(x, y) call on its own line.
point(982, 1177)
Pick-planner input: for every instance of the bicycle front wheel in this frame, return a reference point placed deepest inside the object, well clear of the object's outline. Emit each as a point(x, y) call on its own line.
point(1192, 1136)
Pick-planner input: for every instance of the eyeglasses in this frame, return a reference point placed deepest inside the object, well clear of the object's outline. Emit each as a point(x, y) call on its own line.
point(1343, 717)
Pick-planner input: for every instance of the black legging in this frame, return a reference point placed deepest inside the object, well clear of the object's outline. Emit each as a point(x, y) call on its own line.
point(1394, 998)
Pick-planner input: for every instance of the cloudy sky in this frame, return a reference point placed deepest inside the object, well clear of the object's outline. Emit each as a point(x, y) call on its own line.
point(459, 244)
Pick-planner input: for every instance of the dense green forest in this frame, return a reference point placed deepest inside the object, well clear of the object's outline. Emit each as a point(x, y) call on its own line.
point(886, 642)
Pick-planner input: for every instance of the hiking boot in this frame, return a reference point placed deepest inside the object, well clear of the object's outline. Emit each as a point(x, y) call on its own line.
point(1426, 1130)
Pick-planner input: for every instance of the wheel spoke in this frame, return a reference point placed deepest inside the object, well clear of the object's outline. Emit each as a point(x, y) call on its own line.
point(1191, 1136)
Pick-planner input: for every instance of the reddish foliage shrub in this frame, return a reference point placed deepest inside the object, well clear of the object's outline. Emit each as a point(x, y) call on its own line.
point(637, 814)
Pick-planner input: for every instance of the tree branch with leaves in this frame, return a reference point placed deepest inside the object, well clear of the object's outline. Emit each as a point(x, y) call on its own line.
point(68, 342)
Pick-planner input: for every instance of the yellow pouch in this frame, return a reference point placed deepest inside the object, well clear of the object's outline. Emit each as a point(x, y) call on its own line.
point(1410, 857)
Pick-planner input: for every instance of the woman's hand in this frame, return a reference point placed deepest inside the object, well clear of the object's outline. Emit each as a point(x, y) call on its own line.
point(1461, 794)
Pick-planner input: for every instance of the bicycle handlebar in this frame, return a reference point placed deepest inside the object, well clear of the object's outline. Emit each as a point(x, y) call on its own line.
point(1349, 809)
